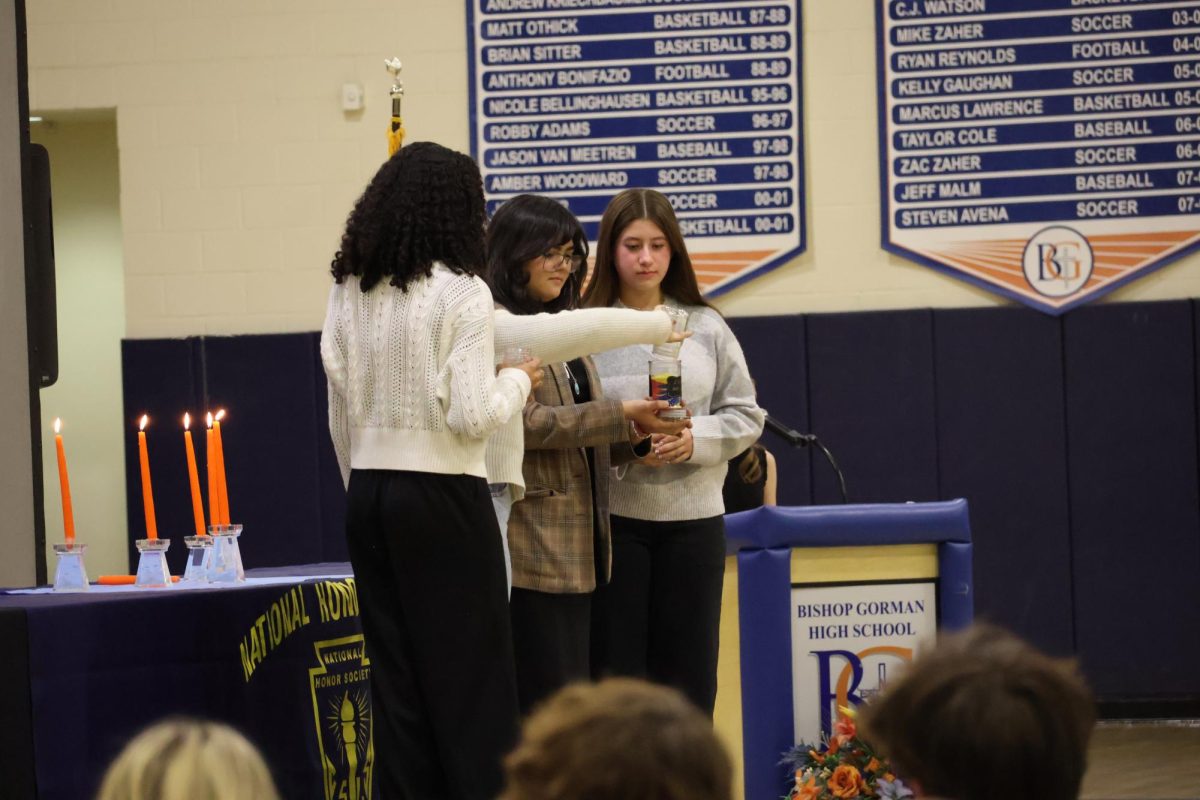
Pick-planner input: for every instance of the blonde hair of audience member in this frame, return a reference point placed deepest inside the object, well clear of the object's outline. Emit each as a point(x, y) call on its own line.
point(188, 760)
point(985, 716)
point(620, 739)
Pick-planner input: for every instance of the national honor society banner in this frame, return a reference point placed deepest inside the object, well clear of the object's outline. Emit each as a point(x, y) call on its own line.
point(304, 667)
point(1048, 150)
point(580, 99)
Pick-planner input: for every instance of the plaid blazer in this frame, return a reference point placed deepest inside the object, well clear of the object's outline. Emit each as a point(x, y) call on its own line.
point(559, 533)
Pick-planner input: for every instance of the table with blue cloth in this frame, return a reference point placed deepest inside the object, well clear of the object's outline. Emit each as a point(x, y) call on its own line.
point(279, 657)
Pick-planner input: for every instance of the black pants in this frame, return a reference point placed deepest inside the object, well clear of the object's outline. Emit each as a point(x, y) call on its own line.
point(430, 573)
point(660, 617)
point(551, 638)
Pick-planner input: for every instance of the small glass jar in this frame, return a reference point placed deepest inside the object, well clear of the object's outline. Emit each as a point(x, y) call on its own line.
point(666, 383)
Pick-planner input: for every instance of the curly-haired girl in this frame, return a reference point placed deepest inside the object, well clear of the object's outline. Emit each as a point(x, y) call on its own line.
point(413, 395)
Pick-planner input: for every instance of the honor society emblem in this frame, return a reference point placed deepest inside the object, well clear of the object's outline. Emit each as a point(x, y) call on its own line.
point(341, 698)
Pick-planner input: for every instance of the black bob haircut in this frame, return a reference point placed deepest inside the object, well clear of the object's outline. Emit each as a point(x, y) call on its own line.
point(424, 205)
point(521, 230)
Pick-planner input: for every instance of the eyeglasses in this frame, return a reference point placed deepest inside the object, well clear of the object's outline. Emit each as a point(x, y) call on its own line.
point(552, 260)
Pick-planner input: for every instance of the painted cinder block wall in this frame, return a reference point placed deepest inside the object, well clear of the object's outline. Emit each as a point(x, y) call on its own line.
point(238, 166)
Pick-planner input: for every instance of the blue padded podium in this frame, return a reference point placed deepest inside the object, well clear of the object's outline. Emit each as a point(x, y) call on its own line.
point(763, 540)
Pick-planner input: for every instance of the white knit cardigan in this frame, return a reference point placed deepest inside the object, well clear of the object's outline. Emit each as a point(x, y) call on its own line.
point(412, 378)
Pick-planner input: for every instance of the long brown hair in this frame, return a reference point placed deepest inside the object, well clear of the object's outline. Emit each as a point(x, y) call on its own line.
point(623, 210)
point(752, 463)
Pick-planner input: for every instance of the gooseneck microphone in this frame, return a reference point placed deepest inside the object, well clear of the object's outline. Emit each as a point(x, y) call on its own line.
point(794, 437)
point(797, 439)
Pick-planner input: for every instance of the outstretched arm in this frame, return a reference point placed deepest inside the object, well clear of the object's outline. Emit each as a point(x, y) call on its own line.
point(582, 332)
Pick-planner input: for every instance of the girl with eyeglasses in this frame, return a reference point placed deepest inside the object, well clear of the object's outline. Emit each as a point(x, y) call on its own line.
point(660, 616)
point(557, 462)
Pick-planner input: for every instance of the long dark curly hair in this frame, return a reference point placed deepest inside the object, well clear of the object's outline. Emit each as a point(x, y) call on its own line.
point(626, 208)
point(424, 205)
point(521, 230)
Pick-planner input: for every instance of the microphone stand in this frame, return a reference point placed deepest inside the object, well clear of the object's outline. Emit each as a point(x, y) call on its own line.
point(797, 439)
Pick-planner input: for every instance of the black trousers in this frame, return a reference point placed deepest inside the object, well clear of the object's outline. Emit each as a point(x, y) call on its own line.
point(429, 568)
point(551, 638)
point(660, 616)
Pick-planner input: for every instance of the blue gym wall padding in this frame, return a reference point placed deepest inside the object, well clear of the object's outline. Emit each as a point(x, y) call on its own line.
point(333, 491)
point(1002, 443)
point(871, 379)
point(159, 378)
point(1131, 428)
point(775, 353)
point(1074, 440)
point(269, 385)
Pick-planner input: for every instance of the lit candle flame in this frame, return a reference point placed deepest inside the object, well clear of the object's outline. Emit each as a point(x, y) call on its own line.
point(210, 419)
point(187, 421)
point(57, 424)
point(220, 415)
point(142, 423)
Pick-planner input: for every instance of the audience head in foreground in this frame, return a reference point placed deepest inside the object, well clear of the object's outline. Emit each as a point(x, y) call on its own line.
point(985, 716)
point(183, 759)
point(620, 739)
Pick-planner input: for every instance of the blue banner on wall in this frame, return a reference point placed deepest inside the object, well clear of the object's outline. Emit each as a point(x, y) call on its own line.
point(1048, 150)
point(580, 99)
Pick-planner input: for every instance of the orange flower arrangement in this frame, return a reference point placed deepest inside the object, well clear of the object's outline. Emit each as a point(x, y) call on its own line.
point(842, 767)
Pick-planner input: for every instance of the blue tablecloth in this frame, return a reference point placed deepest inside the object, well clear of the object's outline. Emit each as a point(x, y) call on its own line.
point(280, 658)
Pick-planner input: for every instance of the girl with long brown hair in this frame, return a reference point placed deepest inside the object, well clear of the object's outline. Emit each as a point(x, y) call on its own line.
point(659, 617)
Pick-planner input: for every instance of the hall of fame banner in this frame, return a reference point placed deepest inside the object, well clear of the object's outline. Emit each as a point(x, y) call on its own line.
point(849, 641)
point(578, 100)
point(1048, 150)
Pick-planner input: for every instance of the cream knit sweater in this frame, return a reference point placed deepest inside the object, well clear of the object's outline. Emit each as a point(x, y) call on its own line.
point(725, 421)
point(412, 375)
point(561, 337)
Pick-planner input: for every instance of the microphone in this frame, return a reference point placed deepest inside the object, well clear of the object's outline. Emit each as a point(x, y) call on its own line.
point(797, 439)
point(794, 437)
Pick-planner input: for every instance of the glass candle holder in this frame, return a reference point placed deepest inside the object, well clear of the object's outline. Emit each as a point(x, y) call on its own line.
point(199, 561)
point(70, 575)
point(225, 565)
point(152, 571)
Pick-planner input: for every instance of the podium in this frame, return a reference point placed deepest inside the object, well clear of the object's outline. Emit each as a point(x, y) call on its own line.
point(824, 602)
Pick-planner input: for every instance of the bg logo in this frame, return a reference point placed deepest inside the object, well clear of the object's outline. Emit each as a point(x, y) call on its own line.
point(1057, 261)
point(852, 685)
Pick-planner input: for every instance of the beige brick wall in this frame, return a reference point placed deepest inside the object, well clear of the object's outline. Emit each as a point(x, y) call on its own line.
point(238, 166)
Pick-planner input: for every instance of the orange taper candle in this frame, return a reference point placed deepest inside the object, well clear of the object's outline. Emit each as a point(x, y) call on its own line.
point(210, 456)
point(222, 485)
point(64, 484)
point(147, 493)
point(193, 477)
